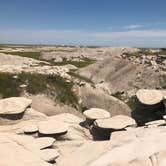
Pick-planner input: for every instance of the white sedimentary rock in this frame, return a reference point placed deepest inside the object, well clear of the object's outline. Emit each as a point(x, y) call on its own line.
point(96, 113)
point(117, 122)
point(149, 97)
point(14, 105)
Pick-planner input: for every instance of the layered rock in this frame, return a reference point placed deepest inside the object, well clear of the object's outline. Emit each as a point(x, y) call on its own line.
point(95, 98)
point(149, 97)
point(118, 122)
point(96, 113)
point(14, 105)
point(15, 64)
point(52, 128)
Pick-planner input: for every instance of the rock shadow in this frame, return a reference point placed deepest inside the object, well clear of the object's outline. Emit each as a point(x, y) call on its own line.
point(146, 113)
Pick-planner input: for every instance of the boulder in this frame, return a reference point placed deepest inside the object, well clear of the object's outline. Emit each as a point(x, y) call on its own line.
point(52, 128)
point(95, 98)
point(49, 107)
point(96, 113)
point(149, 97)
point(14, 105)
point(115, 123)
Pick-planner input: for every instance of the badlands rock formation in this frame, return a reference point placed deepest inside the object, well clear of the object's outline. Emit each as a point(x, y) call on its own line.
point(37, 131)
point(32, 141)
point(79, 54)
point(15, 64)
point(95, 97)
point(121, 75)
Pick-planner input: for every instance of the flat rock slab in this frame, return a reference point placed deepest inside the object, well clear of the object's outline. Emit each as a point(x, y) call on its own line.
point(14, 105)
point(40, 143)
point(51, 127)
point(149, 97)
point(156, 122)
point(13, 154)
point(96, 113)
point(116, 123)
point(30, 128)
point(48, 155)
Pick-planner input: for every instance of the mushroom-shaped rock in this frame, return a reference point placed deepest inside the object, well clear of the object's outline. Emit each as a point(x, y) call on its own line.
point(96, 113)
point(40, 143)
point(115, 123)
point(51, 127)
point(14, 105)
point(30, 128)
point(48, 155)
point(149, 97)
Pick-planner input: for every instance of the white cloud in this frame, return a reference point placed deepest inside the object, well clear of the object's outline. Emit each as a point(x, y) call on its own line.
point(139, 38)
point(131, 27)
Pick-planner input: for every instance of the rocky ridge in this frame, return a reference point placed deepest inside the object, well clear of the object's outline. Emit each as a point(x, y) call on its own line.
point(66, 139)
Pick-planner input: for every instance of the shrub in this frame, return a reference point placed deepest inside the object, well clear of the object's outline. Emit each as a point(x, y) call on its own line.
point(52, 85)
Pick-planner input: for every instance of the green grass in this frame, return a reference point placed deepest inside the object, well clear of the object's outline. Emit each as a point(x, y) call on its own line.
point(132, 102)
point(163, 51)
point(146, 52)
point(54, 86)
point(34, 55)
point(79, 64)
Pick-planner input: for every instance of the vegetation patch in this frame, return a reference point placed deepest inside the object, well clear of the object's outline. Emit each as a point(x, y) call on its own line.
point(54, 86)
point(80, 64)
point(34, 55)
point(144, 51)
point(132, 102)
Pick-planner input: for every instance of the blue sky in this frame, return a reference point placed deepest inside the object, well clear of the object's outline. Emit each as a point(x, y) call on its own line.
point(140, 23)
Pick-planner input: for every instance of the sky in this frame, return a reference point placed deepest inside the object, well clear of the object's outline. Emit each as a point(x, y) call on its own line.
point(135, 23)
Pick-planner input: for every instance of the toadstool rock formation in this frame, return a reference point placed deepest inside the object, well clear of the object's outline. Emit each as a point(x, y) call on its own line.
point(52, 128)
point(116, 123)
point(149, 97)
point(14, 105)
point(96, 113)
